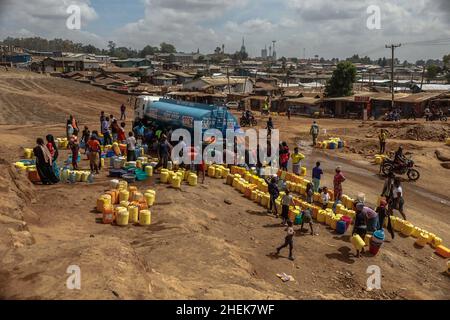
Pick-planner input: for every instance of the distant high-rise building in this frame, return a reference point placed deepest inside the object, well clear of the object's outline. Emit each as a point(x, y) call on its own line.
point(243, 49)
point(264, 53)
point(274, 54)
point(223, 48)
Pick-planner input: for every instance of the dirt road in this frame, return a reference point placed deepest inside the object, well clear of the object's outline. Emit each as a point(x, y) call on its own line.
point(198, 246)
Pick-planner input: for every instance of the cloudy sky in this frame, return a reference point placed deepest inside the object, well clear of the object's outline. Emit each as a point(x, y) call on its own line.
point(328, 28)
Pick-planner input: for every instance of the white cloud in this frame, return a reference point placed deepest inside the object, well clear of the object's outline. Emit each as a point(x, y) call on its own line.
point(46, 18)
point(325, 27)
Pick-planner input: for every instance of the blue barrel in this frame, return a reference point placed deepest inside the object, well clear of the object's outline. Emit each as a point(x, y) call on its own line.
point(298, 219)
point(341, 227)
point(332, 145)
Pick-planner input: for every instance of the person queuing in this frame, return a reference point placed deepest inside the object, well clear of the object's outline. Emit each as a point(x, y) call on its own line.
point(164, 151)
point(284, 156)
point(325, 198)
point(274, 193)
point(121, 137)
point(131, 147)
point(297, 158)
point(85, 137)
point(337, 182)
point(115, 129)
point(383, 214)
point(53, 148)
point(44, 163)
point(74, 147)
point(107, 140)
point(94, 151)
point(314, 132)
point(286, 201)
point(317, 174)
point(288, 240)
point(96, 137)
point(309, 193)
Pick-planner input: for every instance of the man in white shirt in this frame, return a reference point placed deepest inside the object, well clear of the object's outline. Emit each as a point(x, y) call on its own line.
point(131, 147)
point(397, 198)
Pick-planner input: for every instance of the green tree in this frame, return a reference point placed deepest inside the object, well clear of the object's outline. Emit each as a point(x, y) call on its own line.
point(446, 60)
point(167, 48)
point(341, 82)
point(432, 71)
point(148, 51)
point(111, 47)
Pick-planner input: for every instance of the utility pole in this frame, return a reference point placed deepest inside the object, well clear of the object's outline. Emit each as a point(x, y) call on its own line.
point(228, 77)
point(392, 47)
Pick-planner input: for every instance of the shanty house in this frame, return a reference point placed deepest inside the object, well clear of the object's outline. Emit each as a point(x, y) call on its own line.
point(220, 84)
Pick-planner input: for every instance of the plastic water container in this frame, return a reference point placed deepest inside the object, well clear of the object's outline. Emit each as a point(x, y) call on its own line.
point(122, 216)
point(423, 239)
point(149, 170)
point(149, 198)
point(341, 227)
point(176, 182)
point(102, 202)
point(108, 215)
point(358, 242)
point(145, 218)
point(124, 195)
point(133, 213)
point(347, 220)
point(376, 242)
point(192, 179)
point(407, 229)
point(164, 177)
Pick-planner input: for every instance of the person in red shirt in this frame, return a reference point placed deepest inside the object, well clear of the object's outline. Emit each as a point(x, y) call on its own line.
point(94, 151)
point(121, 134)
point(337, 181)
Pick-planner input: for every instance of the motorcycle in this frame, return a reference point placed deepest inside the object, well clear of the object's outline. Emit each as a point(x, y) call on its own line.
point(245, 122)
point(436, 117)
point(407, 168)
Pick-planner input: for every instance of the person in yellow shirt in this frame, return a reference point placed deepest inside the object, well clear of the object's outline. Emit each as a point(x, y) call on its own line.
point(297, 158)
point(383, 137)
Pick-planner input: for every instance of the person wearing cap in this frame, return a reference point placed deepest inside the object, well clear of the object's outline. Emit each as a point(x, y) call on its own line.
point(337, 182)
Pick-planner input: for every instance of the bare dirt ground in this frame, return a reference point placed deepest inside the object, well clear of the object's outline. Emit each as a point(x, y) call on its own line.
point(198, 246)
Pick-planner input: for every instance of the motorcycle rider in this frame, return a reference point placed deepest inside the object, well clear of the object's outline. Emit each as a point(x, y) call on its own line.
point(399, 158)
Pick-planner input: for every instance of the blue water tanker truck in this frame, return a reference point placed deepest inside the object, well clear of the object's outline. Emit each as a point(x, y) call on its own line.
point(183, 114)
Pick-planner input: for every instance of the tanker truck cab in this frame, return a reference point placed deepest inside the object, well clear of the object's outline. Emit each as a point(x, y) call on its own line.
point(141, 104)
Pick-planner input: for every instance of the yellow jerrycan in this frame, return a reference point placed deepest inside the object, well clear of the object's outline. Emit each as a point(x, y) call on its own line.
point(176, 182)
point(145, 218)
point(133, 213)
point(164, 176)
point(122, 216)
point(149, 198)
point(192, 179)
point(358, 242)
point(124, 195)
